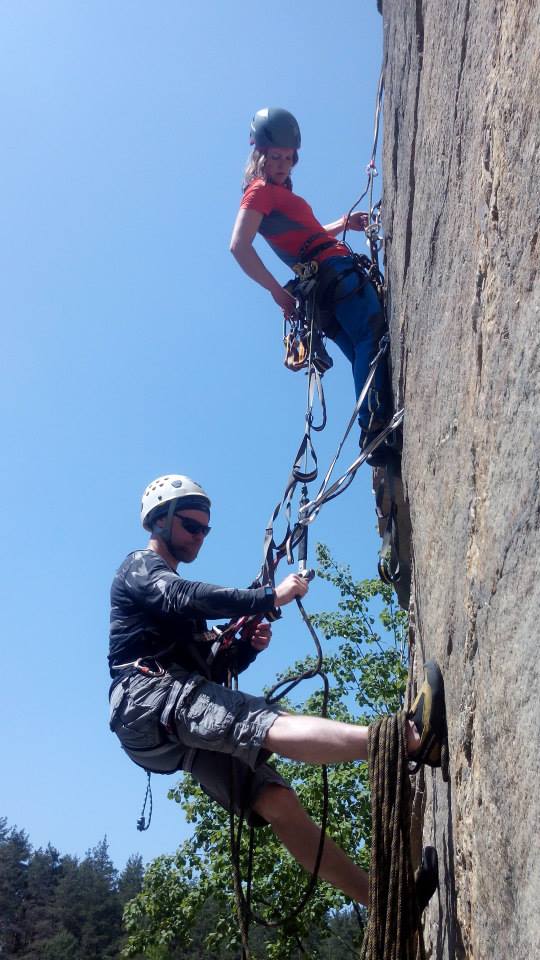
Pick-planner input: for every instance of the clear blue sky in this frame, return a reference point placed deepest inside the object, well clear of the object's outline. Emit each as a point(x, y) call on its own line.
point(133, 345)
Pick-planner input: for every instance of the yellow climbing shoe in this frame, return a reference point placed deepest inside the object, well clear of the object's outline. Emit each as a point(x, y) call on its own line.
point(428, 713)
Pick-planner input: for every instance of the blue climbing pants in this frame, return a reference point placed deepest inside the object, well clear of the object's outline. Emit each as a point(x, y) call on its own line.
point(358, 330)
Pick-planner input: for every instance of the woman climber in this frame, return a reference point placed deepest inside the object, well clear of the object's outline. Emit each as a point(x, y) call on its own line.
point(269, 207)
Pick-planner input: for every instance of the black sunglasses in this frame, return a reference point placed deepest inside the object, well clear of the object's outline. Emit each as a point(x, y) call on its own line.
point(193, 526)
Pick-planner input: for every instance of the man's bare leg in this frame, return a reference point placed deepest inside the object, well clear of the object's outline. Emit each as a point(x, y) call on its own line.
point(316, 740)
point(297, 832)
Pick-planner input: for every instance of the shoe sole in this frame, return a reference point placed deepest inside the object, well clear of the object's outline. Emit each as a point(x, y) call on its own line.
point(433, 749)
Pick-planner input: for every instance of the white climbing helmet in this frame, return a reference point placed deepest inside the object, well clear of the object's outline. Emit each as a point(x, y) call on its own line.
point(164, 490)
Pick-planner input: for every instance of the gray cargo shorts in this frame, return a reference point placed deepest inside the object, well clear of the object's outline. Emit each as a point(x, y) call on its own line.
point(182, 721)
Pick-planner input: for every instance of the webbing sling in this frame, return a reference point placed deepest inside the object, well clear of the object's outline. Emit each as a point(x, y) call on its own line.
point(273, 552)
point(311, 509)
point(297, 475)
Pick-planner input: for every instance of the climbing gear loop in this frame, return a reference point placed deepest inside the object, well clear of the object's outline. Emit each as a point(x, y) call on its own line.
point(304, 341)
point(306, 271)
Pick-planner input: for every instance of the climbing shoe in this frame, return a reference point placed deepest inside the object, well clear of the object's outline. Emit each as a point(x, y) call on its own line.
point(389, 451)
point(394, 441)
point(379, 456)
point(428, 713)
point(426, 878)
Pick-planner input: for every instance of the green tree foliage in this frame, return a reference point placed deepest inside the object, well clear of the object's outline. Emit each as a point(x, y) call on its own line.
point(60, 908)
point(186, 906)
point(15, 854)
point(131, 879)
point(44, 870)
point(86, 906)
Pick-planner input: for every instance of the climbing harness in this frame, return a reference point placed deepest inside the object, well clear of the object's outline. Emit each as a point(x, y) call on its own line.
point(149, 667)
point(315, 293)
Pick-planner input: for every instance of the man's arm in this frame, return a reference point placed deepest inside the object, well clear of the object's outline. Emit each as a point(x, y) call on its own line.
point(160, 590)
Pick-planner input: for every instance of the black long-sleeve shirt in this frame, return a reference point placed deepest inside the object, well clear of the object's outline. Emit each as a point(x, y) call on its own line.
point(155, 610)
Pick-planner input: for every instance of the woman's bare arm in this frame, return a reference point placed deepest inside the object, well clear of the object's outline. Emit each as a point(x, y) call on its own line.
point(244, 231)
point(357, 221)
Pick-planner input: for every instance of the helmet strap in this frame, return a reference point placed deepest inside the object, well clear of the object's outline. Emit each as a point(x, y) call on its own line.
point(165, 532)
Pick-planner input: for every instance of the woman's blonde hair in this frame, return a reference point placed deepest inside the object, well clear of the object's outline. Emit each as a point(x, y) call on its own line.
point(255, 168)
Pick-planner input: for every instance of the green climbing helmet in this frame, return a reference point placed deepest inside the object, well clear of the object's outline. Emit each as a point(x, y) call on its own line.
point(169, 493)
point(274, 127)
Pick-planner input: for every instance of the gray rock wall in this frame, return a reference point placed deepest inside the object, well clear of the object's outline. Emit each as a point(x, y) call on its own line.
point(461, 203)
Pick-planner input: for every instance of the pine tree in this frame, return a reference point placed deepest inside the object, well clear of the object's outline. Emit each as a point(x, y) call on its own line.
point(43, 875)
point(57, 908)
point(15, 853)
point(89, 907)
point(130, 880)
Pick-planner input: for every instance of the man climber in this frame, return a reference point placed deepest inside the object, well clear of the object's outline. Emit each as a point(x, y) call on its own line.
point(169, 707)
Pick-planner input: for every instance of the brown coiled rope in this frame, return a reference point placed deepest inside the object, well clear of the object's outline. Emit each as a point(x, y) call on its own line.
point(393, 928)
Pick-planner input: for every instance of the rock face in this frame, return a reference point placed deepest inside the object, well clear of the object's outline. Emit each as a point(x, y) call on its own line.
point(461, 203)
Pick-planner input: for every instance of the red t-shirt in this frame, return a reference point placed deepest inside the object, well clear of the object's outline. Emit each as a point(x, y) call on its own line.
point(289, 224)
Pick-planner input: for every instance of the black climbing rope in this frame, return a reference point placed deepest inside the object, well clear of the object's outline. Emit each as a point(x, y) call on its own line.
point(372, 231)
point(273, 552)
point(389, 554)
point(388, 563)
point(305, 350)
point(244, 909)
